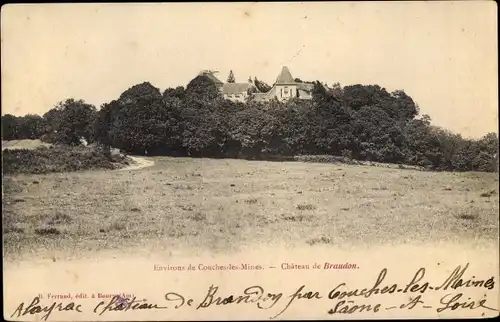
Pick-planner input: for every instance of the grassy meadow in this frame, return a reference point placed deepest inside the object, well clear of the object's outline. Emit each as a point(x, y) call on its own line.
point(223, 205)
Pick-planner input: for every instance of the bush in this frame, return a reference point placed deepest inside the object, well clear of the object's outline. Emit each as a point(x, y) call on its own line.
point(58, 159)
point(347, 154)
point(323, 159)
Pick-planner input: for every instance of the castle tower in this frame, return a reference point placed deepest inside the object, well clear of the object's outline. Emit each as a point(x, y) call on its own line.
point(285, 85)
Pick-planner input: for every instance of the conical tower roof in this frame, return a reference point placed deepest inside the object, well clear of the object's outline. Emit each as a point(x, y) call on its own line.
point(285, 77)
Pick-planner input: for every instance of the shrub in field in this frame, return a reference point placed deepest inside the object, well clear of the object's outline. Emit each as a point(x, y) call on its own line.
point(324, 159)
point(58, 159)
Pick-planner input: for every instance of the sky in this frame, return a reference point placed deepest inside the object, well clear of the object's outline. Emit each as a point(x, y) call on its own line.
point(442, 54)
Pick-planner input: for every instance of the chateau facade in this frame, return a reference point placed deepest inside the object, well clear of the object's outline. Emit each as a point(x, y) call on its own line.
point(286, 88)
point(283, 89)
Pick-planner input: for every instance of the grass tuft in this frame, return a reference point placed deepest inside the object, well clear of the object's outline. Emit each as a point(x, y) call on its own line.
point(488, 194)
point(306, 207)
point(47, 231)
point(60, 218)
point(468, 217)
point(198, 217)
point(319, 240)
point(251, 201)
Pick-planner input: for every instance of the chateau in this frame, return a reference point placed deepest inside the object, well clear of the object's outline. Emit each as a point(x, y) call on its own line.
point(283, 89)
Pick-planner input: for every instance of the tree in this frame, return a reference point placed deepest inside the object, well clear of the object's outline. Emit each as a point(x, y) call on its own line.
point(103, 124)
point(9, 127)
point(140, 121)
point(254, 130)
point(357, 96)
point(140, 92)
point(298, 127)
point(201, 87)
point(140, 127)
point(51, 117)
point(336, 86)
point(71, 121)
point(261, 86)
point(322, 96)
point(489, 151)
point(337, 89)
point(178, 92)
point(416, 143)
point(230, 78)
point(201, 131)
point(403, 107)
point(31, 126)
point(200, 119)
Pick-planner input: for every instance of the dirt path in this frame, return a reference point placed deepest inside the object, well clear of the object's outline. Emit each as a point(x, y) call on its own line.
point(140, 163)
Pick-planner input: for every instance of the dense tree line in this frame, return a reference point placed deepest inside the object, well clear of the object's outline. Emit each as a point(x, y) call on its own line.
point(359, 122)
point(24, 127)
point(67, 123)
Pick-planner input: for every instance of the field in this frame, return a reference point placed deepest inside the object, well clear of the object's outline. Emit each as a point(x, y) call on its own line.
point(23, 144)
point(223, 205)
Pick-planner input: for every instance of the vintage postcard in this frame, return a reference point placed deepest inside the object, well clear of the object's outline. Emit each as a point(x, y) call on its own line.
point(250, 161)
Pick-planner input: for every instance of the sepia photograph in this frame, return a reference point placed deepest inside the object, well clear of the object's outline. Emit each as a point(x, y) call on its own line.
point(250, 161)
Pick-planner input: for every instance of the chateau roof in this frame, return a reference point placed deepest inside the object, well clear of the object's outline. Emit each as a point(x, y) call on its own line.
point(305, 86)
point(258, 97)
point(236, 88)
point(285, 77)
point(211, 76)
